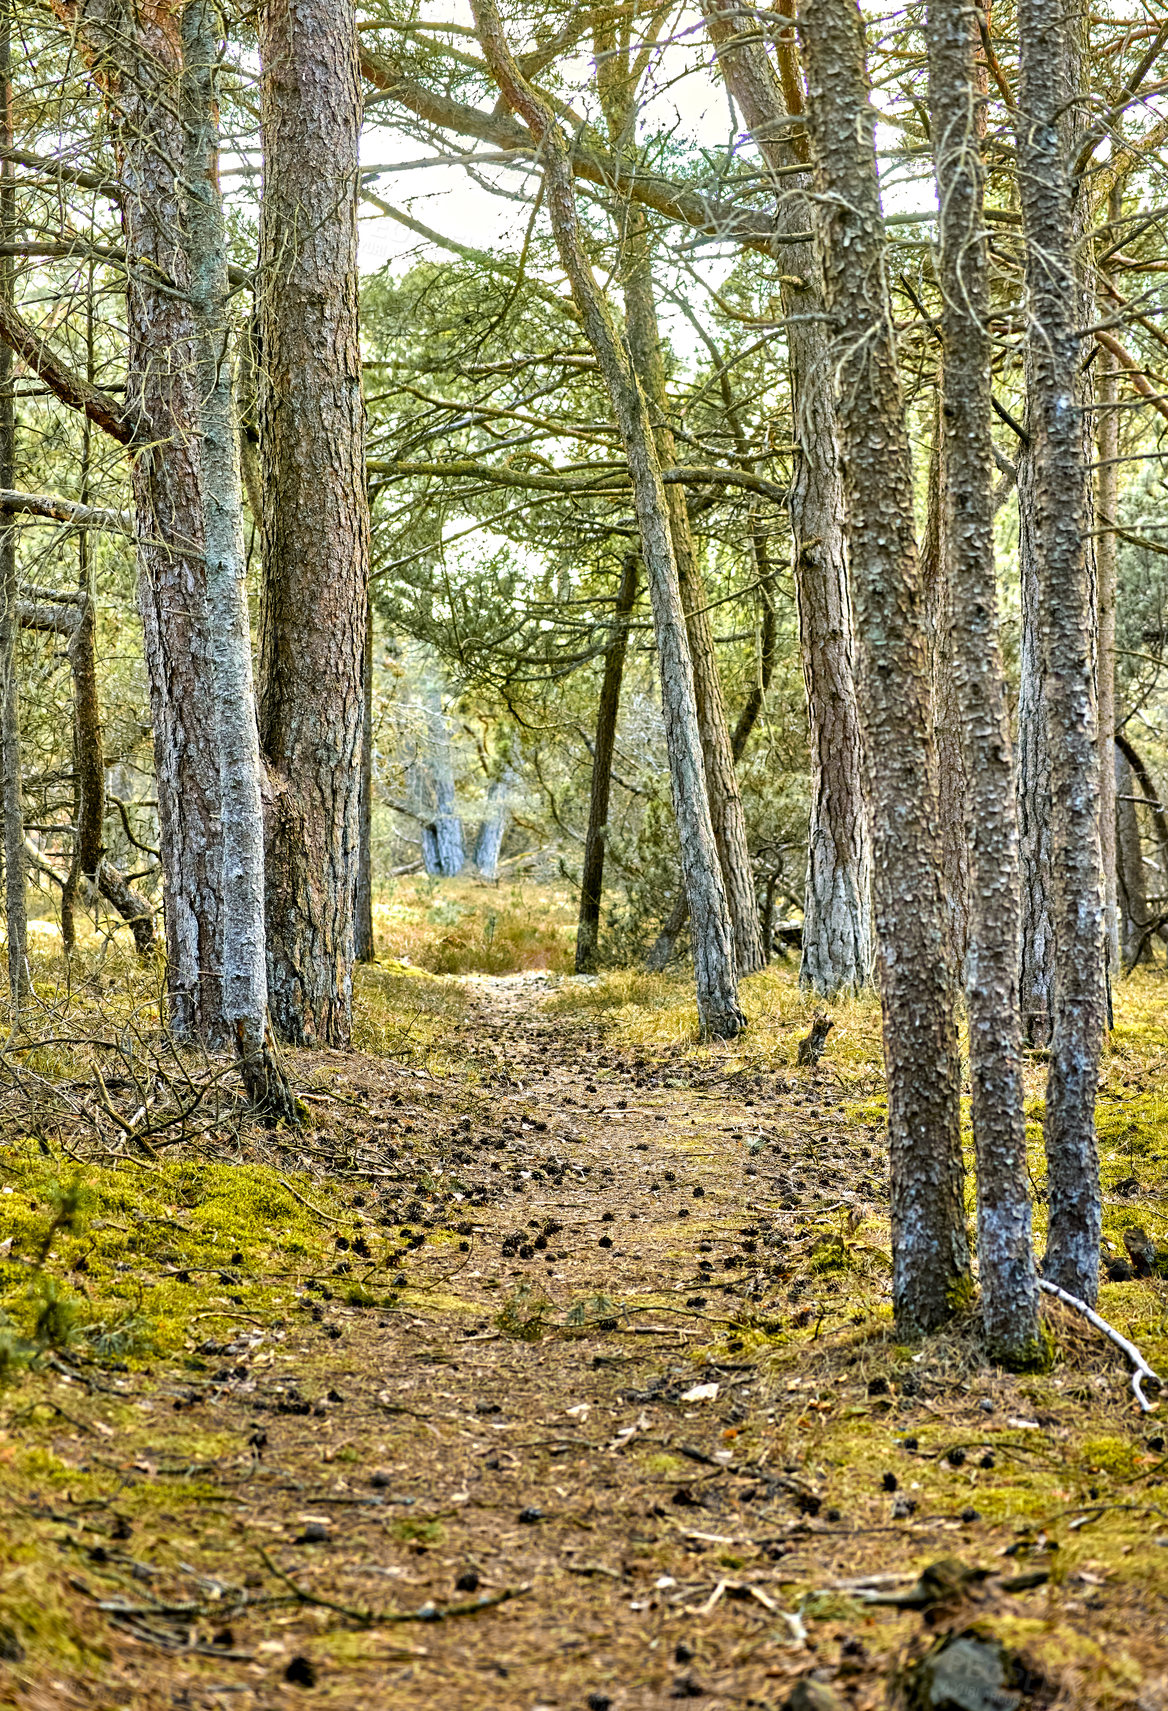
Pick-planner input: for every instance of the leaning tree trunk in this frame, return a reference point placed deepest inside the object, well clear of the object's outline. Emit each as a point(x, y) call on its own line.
point(316, 515)
point(1061, 523)
point(15, 905)
point(836, 911)
point(975, 692)
point(241, 828)
point(726, 811)
point(713, 941)
point(592, 876)
point(930, 1249)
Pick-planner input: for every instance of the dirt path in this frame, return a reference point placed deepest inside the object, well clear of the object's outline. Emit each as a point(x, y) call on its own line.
point(636, 1392)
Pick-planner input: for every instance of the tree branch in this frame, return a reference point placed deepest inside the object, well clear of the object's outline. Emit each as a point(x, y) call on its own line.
point(70, 388)
point(57, 510)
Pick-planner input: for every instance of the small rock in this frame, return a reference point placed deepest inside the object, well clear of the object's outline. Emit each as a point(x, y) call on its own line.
point(529, 1516)
point(808, 1695)
point(962, 1674)
point(315, 1533)
point(986, 1405)
point(301, 1672)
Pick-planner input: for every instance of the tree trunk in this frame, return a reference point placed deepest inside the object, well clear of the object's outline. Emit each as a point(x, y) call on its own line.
point(713, 941)
point(1133, 890)
point(1107, 573)
point(973, 712)
point(953, 781)
point(836, 914)
point(1036, 971)
point(15, 906)
point(726, 811)
point(139, 60)
point(930, 1249)
point(363, 946)
point(316, 516)
point(592, 876)
point(241, 827)
point(493, 830)
point(1048, 88)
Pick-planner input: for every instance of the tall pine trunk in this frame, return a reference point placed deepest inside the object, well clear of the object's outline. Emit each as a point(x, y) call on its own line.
point(241, 829)
point(316, 516)
point(363, 947)
point(15, 907)
point(930, 1248)
point(713, 942)
point(1061, 522)
point(592, 875)
point(969, 616)
point(137, 55)
point(836, 911)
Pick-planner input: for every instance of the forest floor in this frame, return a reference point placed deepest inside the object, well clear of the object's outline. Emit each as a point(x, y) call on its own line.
point(549, 1365)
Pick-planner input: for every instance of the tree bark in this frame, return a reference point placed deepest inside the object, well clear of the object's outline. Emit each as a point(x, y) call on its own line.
point(1133, 890)
point(953, 781)
point(1048, 85)
point(715, 977)
point(15, 907)
point(930, 1248)
point(137, 58)
point(592, 876)
point(1036, 975)
point(316, 516)
point(837, 950)
point(972, 704)
point(493, 830)
point(1107, 573)
point(726, 811)
point(363, 947)
point(240, 828)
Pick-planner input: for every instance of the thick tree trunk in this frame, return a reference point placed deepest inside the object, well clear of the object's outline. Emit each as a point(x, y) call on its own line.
point(363, 915)
point(139, 60)
point(726, 811)
point(713, 943)
point(592, 876)
point(836, 914)
point(930, 1248)
point(241, 827)
point(953, 782)
point(1048, 86)
point(316, 517)
point(15, 907)
point(973, 700)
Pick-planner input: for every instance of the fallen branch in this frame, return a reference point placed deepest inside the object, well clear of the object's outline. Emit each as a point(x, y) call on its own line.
point(1141, 1368)
point(380, 1618)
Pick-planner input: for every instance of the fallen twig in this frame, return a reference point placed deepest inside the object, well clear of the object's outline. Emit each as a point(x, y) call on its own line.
point(328, 1218)
point(1141, 1368)
point(381, 1618)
